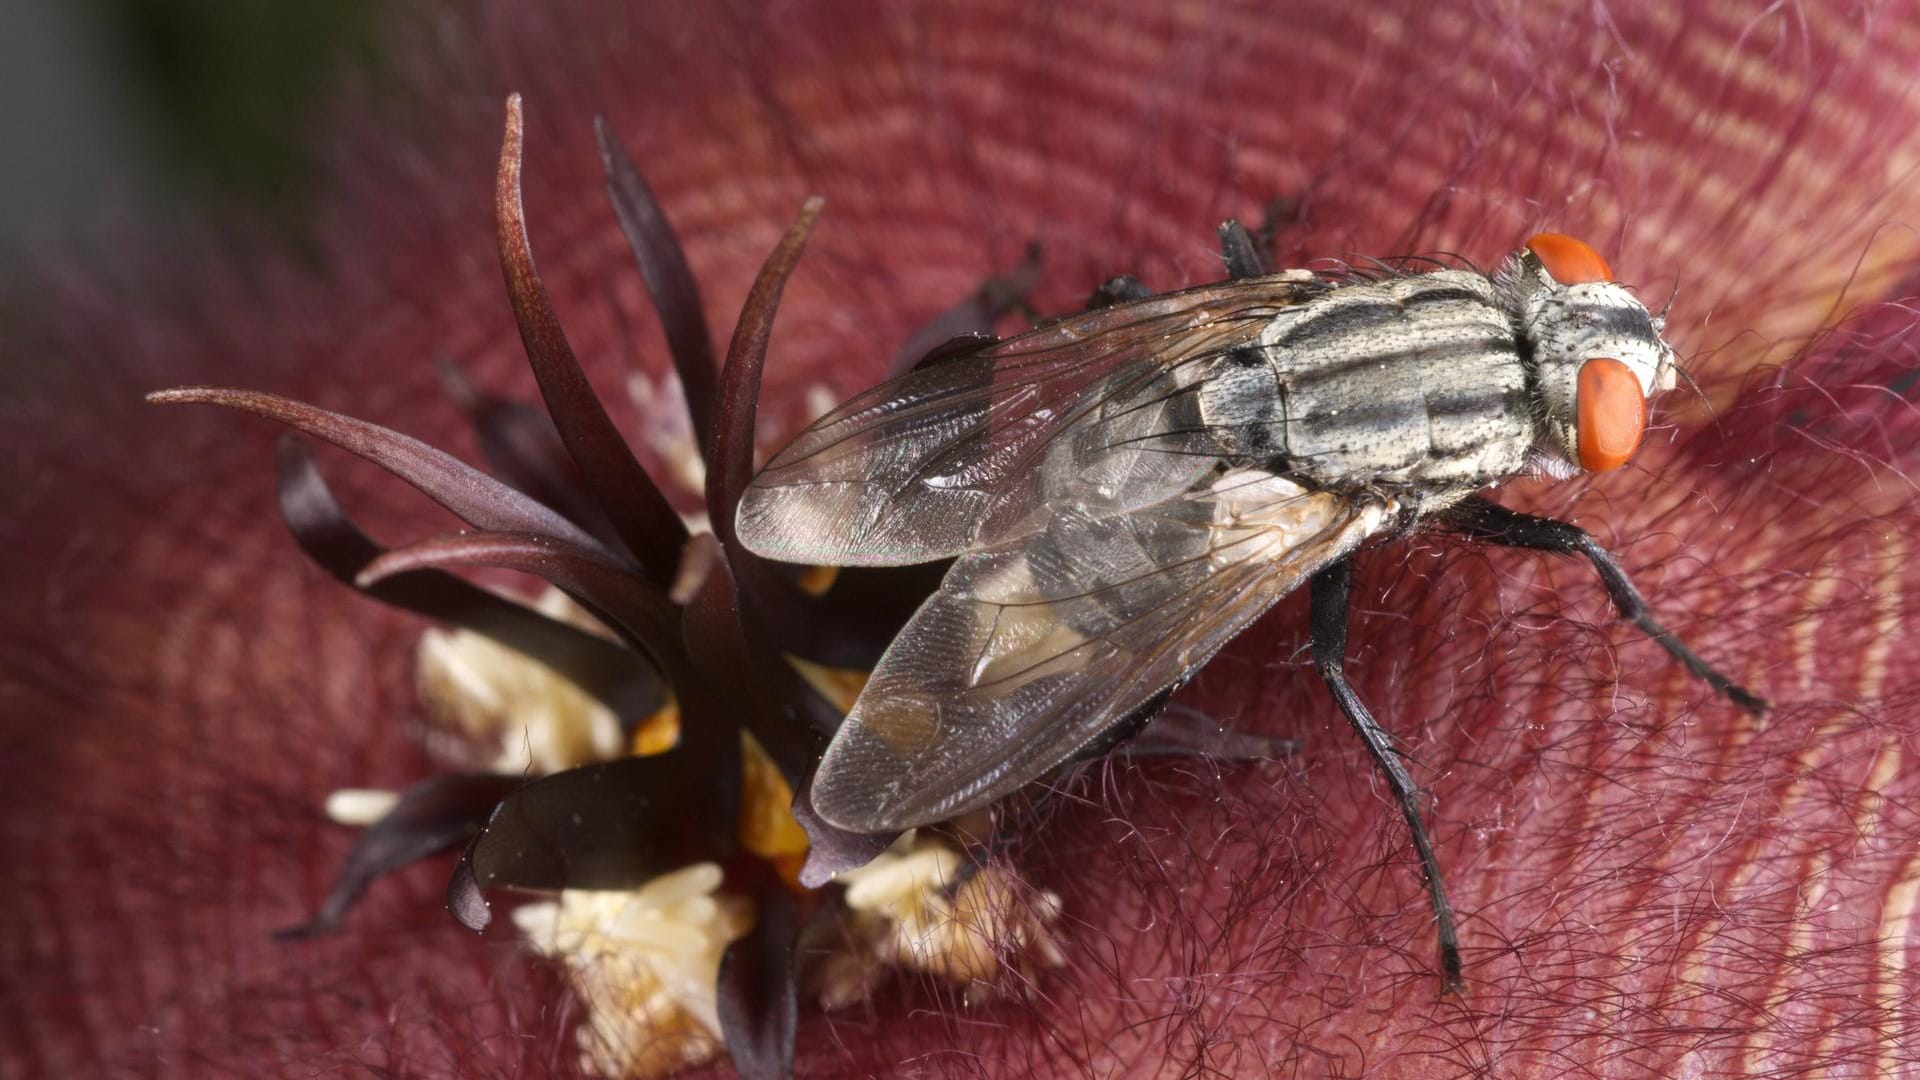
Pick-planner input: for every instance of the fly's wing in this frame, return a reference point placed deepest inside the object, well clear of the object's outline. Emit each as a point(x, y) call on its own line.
point(1095, 411)
point(1027, 654)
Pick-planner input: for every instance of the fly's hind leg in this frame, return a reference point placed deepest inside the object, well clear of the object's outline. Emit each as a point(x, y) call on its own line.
point(970, 323)
point(1237, 249)
point(1117, 290)
point(1331, 591)
point(1482, 519)
point(1180, 731)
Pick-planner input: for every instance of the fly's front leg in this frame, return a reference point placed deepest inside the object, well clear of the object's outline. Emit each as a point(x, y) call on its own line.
point(1331, 590)
point(1481, 519)
point(1237, 250)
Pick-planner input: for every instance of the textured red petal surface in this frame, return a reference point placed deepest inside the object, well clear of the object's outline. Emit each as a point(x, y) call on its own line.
point(1652, 883)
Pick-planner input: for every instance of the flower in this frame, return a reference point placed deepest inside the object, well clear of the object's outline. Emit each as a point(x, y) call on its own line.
point(1653, 880)
point(694, 754)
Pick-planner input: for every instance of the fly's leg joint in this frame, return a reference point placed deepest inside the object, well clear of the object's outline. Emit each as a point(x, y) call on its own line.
point(1331, 592)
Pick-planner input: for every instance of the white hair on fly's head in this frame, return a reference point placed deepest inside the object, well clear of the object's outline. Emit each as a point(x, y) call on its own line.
point(1566, 325)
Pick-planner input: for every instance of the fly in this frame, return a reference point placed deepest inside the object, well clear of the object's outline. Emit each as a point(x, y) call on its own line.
point(1127, 489)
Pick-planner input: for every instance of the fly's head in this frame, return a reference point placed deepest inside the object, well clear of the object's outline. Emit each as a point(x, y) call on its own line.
point(1597, 354)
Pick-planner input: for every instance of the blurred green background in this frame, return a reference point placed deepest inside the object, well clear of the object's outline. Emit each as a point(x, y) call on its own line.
point(118, 108)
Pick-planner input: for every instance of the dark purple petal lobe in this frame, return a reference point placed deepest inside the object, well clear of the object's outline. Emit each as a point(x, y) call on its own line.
point(633, 606)
point(472, 495)
point(522, 447)
point(435, 815)
point(775, 704)
point(730, 450)
point(709, 732)
point(639, 512)
point(758, 1000)
point(818, 630)
point(617, 676)
point(663, 265)
point(616, 825)
point(831, 850)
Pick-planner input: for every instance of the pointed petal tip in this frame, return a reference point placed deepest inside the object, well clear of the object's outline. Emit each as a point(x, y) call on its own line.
point(185, 395)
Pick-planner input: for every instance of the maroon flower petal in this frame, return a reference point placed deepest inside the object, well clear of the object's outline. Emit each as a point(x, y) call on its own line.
point(969, 325)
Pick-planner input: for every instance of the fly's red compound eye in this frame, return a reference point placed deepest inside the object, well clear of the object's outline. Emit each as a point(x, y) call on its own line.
point(1610, 413)
point(1570, 261)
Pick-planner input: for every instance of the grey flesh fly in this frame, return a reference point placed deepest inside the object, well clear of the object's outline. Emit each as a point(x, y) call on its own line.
point(1126, 489)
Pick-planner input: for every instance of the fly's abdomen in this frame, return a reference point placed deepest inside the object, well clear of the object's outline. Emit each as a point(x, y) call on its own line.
point(1414, 380)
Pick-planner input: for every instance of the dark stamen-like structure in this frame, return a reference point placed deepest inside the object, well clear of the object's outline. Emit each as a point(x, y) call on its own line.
point(568, 502)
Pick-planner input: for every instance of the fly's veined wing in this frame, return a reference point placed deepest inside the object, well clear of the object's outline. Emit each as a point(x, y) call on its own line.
point(1027, 654)
point(1095, 411)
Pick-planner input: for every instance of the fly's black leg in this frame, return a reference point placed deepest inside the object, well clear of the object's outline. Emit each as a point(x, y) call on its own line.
point(1118, 290)
point(1330, 592)
point(973, 318)
point(1243, 259)
point(1482, 519)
